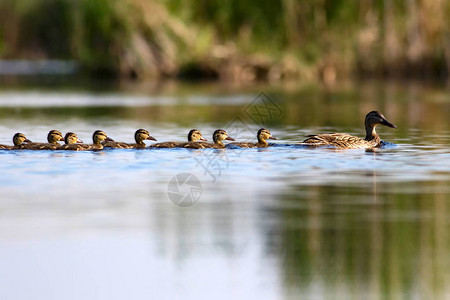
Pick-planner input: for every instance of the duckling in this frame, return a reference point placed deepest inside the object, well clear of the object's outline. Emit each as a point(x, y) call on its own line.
point(193, 136)
point(262, 135)
point(98, 137)
point(53, 137)
point(19, 140)
point(218, 136)
point(140, 135)
point(347, 141)
point(71, 142)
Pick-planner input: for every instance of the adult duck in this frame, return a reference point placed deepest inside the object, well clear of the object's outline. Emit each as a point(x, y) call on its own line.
point(347, 141)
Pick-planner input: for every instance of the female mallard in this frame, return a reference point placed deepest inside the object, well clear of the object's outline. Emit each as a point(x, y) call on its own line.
point(262, 135)
point(347, 141)
point(71, 139)
point(193, 136)
point(19, 140)
point(140, 136)
point(53, 137)
point(218, 136)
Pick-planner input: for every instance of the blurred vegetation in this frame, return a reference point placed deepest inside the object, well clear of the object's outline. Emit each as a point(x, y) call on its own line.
point(233, 40)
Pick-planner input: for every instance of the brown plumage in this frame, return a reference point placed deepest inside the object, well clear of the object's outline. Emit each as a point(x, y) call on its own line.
point(218, 136)
point(71, 141)
point(193, 137)
point(19, 140)
point(262, 135)
point(139, 136)
point(347, 141)
point(53, 137)
point(6, 147)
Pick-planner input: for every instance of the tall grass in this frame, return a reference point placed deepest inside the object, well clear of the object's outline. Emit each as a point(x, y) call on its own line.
point(240, 40)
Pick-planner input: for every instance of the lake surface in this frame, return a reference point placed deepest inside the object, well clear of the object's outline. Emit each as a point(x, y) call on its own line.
point(282, 222)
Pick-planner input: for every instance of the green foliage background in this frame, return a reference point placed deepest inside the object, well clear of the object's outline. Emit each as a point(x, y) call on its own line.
point(231, 39)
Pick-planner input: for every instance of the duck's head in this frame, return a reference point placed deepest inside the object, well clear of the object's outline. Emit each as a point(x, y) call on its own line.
point(375, 118)
point(20, 138)
point(220, 135)
point(264, 134)
point(100, 136)
point(195, 135)
point(54, 136)
point(141, 135)
point(71, 138)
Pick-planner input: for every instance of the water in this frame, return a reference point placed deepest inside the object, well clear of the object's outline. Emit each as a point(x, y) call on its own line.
point(276, 223)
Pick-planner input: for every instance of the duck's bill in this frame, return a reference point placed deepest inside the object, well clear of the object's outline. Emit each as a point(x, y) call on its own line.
point(61, 139)
point(388, 124)
point(79, 141)
point(151, 138)
point(272, 138)
point(230, 138)
point(203, 139)
point(27, 141)
point(108, 139)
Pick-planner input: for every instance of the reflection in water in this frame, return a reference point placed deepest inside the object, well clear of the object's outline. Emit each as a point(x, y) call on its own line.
point(361, 248)
point(273, 223)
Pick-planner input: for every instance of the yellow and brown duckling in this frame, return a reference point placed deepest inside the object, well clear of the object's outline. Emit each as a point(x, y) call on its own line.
point(19, 141)
point(194, 136)
point(218, 136)
point(262, 135)
point(53, 137)
point(72, 142)
point(347, 141)
point(139, 136)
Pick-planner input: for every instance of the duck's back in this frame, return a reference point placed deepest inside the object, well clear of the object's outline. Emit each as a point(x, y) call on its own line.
point(202, 145)
point(40, 146)
point(340, 140)
point(118, 145)
point(76, 147)
point(196, 145)
point(6, 147)
point(249, 145)
point(167, 145)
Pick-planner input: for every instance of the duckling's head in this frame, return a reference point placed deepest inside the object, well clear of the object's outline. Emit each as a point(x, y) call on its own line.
point(71, 138)
point(264, 134)
point(220, 135)
point(141, 135)
point(375, 118)
point(20, 138)
point(195, 135)
point(54, 136)
point(99, 136)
